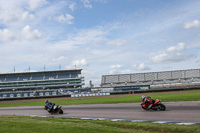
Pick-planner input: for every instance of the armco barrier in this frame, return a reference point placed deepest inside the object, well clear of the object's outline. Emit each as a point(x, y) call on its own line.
point(27, 95)
point(41, 94)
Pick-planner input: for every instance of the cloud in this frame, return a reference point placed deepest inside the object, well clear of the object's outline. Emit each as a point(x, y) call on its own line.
point(141, 67)
point(117, 42)
point(14, 11)
point(27, 16)
point(166, 57)
point(92, 36)
point(126, 71)
point(172, 54)
point(192, 24)
point(83, 39)
point(7, 35)
point(36, 3)
point(86, 4)
point(8, 16)
point(72, 6)
point(31, 34)
point(60, 58)
point(178, 47)
point(65, 18)
point(115, 66)
point(81, 62)
point(77, 64)
point(114, 71)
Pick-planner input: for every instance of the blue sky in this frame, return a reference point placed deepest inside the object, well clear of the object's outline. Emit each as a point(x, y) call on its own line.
point(99, 36)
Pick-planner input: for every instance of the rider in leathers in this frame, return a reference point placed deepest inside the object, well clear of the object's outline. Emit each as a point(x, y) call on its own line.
point(49, 106)
point(148, 100)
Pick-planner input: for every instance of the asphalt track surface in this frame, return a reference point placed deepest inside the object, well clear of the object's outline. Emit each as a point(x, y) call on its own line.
point(175, 111)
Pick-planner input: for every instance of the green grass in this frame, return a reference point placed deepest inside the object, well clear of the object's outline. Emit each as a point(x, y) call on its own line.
point(193, 96)
point(19, 124)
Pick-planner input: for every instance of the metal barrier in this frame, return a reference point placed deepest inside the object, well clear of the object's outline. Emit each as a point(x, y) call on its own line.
point(10, 95)
point(40, 94)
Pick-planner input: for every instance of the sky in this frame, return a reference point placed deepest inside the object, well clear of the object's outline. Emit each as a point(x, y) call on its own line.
point(102, 37)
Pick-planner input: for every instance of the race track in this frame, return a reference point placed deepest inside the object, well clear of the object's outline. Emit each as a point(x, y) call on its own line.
point(175, 112)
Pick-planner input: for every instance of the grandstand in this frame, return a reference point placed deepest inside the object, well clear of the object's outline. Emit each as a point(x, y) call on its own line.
point(153, 79)
point(43, 80)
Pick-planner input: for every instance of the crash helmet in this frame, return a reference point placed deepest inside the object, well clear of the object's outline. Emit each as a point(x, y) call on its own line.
point(143, 96)
point(46, 101)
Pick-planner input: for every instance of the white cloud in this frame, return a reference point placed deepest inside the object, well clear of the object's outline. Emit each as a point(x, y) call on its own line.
point(36, 3)
point(126, 71)
point(172, 55)
point(65, 18)
point(115, 66)
point(81, 62)
point(14, 11)
point(114, 71)
point(77, 64)
point(117, 42)
point(86, 4)
point(7, 35)
point(8, 16)
point(93, 36)
point(27, 16)
point(72, 6)
point(60, 58)
point(31, 34)
point(141, 67)
point(178, 47)
point(192, 24)
point(165, 57)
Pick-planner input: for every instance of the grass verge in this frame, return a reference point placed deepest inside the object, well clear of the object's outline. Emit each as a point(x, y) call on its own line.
point(193, 96)
point(19, 124)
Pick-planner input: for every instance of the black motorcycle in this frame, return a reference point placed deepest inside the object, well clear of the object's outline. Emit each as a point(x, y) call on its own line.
point(55, 109)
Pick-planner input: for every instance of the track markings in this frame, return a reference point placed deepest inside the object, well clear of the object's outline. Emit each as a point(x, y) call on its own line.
point(161, 122)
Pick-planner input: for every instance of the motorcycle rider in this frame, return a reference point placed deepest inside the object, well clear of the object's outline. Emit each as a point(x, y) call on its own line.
point(147, 99)
point(49, 106)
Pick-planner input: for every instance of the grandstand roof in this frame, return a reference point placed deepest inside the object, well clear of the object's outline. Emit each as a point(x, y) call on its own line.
point(42, 72)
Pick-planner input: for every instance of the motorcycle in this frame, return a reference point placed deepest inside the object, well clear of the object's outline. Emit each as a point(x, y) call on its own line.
point(157, 105)
point(55, 109)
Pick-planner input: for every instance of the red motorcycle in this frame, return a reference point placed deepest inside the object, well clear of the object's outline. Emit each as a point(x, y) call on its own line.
point(157, 105)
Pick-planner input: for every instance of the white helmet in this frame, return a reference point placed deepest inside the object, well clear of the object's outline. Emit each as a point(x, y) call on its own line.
point(143, 96)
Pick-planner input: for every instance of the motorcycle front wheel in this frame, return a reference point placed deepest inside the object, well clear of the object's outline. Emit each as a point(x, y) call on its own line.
point(162, 106)
point(144, 108)
point(60, 111)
